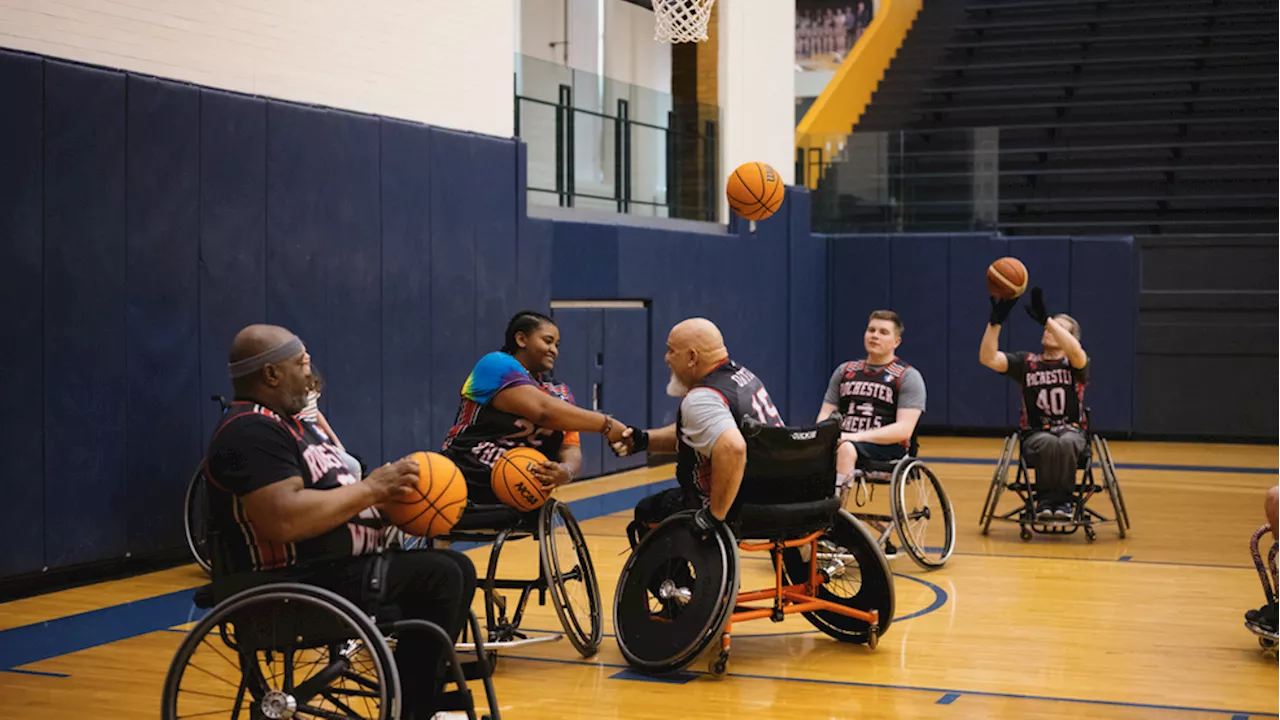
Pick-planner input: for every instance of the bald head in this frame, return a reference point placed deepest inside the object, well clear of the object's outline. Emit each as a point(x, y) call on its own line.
point(694, 348)
point(256, 340)
point(269, 364)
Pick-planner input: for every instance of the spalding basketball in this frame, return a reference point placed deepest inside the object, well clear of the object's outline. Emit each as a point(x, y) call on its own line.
point(435, 503)
point(514, 482)
point(755, 190)
point(1007, 278)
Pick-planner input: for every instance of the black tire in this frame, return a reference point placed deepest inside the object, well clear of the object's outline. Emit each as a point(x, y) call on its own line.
point(664, 639)
point(575, 591)
point(913, 473)
point(335, 628)
point(1113, 483)
point(998, 480)
point(847, 544)
point(195, 520)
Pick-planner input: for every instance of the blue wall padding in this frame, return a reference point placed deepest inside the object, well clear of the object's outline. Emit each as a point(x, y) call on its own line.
point(493, 205)
point(162, 418)
point(1104, 300)
point(919, 288)
point(807, 314)
point(233, 239)
point(22, 305)
point(857, 282)
point(582, 339)
point(1048, 261)
point(533, 279)
point(85, 332)
point(407, 335)
point(977, 396)
point(454, 347)
point(585, 261)
point(625, 376)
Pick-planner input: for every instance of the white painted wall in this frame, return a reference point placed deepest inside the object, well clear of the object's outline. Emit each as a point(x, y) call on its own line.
point(441, 62)
point(757, 85)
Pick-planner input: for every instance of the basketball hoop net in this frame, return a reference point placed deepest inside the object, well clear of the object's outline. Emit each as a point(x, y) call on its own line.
point(681, 21)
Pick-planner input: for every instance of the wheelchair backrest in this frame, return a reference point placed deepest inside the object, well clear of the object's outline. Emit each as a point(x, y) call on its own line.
point(789, 464)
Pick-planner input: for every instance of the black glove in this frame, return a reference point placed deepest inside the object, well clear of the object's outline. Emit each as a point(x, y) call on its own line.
point(1000, 310)
point(705, 521)
point(639, 440)
point(1036, 308)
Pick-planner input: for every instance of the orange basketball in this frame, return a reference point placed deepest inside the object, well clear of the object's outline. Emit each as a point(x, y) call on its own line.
point(435, 503)
point(1007, 278)
point(755, 190)
point(513, 479)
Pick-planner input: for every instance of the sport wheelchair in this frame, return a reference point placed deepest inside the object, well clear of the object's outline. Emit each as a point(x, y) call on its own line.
point(567, 573)
point(195, 514)
point(1268, 640)
point(679, 588)
point(281, 650)
point(1096, 449)
point(910, 482)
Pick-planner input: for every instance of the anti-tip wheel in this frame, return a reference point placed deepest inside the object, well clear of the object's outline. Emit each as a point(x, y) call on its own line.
point(1090, 534)
point(719, 665)
point(1025, 534)
point(873, 636)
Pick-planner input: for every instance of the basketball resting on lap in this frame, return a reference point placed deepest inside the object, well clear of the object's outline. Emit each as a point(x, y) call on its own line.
point(511, 401)
point(287, 508)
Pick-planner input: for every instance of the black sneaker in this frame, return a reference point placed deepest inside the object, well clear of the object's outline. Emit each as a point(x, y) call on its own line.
point(1263, 618)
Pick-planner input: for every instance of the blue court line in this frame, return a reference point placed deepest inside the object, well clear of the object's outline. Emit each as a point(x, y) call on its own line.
point(1122, 559)
point(36, 672)
point(676, 678)
point(1124, 466)
point(948, 699)
point(918, 688)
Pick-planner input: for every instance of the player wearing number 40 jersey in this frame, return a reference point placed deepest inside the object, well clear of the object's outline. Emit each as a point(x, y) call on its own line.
point(1052, 383)
point(880, 398)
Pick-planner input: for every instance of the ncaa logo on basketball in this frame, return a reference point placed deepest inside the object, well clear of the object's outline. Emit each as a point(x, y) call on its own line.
point(524, 492)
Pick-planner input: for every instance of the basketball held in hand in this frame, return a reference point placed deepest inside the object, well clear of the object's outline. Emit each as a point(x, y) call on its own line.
point(433, 505)
point(514, 482)
point(1007, 278)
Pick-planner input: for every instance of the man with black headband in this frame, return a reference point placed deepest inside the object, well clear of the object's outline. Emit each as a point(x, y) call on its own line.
point(286, 508)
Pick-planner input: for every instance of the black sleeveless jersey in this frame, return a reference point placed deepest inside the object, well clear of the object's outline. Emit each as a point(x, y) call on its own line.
point(1052, 390)
point(253, 447)
point(745, 395)
point(869, 400)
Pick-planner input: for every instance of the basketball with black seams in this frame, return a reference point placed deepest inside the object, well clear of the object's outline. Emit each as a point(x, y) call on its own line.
point(514, 482)
point(755, 190)
point(433, 505)
point(1007, 278)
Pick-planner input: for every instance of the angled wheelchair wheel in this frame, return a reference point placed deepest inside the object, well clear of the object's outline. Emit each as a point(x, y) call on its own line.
point(998, 480)
point(856, 575)
point(281, 651)
point(1113, 485)
point(570, 577)
point(922, 511)
point(675, 594)
point(195, 520)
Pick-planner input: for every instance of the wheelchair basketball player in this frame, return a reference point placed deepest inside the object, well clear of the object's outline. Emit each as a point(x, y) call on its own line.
point(1053, 383)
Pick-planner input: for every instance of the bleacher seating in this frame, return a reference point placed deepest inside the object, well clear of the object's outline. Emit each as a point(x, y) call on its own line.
point(1133, 117)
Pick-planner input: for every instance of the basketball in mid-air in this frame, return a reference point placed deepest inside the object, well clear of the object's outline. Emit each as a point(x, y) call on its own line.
point(1007, 278)
point(755, 190)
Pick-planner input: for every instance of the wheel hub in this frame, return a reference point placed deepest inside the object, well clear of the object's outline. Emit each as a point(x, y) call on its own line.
point(278, 705)
point(668, 590)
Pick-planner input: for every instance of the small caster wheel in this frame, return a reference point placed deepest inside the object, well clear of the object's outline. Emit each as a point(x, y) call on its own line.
point(1025, 534)
point(986, 530)
point(873, 636)
point(1089, 533)
point(719, 665)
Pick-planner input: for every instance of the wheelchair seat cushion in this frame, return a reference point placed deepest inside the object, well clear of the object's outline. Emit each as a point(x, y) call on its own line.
point(784, 522)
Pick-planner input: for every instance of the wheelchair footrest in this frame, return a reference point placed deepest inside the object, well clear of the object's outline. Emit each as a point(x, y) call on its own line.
point(500, 644)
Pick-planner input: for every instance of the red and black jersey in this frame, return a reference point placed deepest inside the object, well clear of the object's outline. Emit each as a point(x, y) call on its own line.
point(869, 395)
point(745, 395)
point(1052, 390)
point(254, 447)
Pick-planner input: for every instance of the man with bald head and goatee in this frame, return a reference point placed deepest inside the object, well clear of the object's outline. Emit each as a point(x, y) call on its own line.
point(286, 507)
point(716, 395)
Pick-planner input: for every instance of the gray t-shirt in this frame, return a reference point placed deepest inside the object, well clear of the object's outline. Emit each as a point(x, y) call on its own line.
point(704, 416)
point(911, 391)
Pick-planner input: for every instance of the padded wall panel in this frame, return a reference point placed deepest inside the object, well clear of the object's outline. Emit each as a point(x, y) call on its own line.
point(745, 287)
point(808, 349)
point(84, 296)
point(919, 286)
point(349, 293)
point(233, 225)
point(643, 256)
point(1104, 301)
point(454, 345)
point(493, 205)
point(533, 281)
point(582, 340)
point(1048, 261)
point(584, 263)
point(163, 323)
point(22, 307)
point(625, 378)
point(407, 334)
point(977, 396)
point(858, 280)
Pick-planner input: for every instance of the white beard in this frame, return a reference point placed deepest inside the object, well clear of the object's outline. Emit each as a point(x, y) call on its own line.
point(675, 388)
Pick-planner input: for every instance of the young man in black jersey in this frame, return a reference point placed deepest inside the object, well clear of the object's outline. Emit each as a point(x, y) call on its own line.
point(880, 398)
point(711, 455)
point(1053, 383)
point(287, 508)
